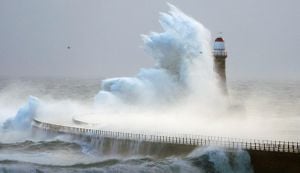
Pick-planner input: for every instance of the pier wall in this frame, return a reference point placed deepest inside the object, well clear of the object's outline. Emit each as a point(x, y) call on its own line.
point(266, 156)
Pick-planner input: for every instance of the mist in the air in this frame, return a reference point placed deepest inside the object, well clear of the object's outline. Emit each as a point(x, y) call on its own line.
point(178, 95)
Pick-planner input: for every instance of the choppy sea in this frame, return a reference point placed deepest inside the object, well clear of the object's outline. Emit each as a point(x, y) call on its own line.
point(23, 152)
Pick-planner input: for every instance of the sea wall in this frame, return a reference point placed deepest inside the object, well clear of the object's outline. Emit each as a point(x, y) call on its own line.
point(274, 162)
point(263, 158)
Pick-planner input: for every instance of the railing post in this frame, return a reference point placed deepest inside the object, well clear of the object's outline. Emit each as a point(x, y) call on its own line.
point(293, 148)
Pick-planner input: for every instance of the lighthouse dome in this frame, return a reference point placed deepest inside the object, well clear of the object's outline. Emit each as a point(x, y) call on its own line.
point(219, 44)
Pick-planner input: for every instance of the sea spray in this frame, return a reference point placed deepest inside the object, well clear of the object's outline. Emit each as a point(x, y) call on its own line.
point(184, 67)
point(182, 84)
point(22, 120)
point(183, 74)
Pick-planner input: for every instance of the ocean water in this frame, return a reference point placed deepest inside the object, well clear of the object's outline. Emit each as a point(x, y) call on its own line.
point(22, 151)
point(178, 95)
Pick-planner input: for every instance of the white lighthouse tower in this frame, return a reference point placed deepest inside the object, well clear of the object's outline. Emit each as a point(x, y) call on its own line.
point(220, 55)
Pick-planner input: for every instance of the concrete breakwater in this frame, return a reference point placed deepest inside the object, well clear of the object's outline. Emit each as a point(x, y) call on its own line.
point(266, 156)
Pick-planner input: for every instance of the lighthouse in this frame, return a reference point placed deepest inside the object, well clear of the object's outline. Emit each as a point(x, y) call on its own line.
point(220, 55)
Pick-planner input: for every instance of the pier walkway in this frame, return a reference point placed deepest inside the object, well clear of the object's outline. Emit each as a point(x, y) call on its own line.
point(194, 140)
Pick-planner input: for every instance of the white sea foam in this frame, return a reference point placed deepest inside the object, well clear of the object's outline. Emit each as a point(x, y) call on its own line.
point(184, 66)
point(23, 118)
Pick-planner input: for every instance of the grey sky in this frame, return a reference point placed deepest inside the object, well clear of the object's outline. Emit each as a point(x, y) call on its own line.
point(262, 36)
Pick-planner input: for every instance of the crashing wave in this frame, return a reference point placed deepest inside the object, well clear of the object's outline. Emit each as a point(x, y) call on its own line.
point(184, 65)
point(22, 120)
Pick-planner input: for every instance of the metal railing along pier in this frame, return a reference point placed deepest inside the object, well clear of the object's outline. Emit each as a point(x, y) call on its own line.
point(195, 140)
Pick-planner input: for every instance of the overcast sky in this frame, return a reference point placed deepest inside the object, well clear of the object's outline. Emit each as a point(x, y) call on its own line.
point(262, 36)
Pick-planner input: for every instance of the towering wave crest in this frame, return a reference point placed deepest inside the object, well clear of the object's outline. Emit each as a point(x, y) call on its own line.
point(183, 66)
point(22, 120)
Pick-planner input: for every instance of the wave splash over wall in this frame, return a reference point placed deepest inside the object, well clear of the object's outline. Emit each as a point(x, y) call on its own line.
point(24, 116)
point(183, 74)
point(182, 81)
point(184, 66)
